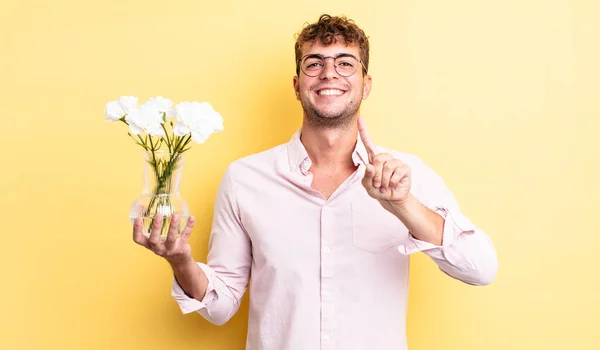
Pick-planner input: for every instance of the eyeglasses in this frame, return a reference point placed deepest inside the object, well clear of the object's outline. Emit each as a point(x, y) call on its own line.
point(345, 64)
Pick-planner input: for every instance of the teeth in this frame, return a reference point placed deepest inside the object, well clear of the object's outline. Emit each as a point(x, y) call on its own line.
point(330, 92)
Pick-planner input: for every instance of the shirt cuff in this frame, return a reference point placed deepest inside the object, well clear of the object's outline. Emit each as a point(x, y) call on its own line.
point(187, 304)
point(455, 224)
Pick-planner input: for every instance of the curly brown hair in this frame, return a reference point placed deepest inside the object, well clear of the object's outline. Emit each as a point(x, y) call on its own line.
point(328, 30)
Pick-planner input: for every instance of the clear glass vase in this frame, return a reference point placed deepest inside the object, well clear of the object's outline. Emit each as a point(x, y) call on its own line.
point(160, 195)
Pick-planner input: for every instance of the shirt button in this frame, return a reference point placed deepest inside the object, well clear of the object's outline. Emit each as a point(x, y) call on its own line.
point(326, 338)
point(326, 250)
point(325, 296)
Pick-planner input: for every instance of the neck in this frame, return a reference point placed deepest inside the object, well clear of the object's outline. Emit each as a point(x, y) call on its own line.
point(330, 147)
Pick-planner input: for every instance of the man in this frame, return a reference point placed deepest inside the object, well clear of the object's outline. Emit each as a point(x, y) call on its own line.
point(326, 222)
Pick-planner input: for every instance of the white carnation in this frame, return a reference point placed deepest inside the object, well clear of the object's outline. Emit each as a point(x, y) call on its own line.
point(148, 119)
point(199, 119)
point(128, 103)
point(114, 111)
point(164, 105)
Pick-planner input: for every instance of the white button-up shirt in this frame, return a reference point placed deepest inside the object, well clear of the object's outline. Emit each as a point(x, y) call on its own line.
point(326, 273)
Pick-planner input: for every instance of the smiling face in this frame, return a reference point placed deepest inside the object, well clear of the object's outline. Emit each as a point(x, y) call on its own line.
point(330, 100)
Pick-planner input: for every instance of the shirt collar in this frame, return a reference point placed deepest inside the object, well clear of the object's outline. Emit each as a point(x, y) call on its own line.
point(298, 157)
point(296, 152)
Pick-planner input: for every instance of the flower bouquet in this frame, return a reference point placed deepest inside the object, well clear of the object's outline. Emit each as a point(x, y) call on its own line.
point(152, 127)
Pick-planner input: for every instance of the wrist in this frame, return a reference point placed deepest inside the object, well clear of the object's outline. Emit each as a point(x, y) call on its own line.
point(403, 206)
point(182, 264)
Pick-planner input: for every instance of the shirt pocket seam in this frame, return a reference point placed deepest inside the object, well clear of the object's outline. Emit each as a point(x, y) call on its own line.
point(365, 230)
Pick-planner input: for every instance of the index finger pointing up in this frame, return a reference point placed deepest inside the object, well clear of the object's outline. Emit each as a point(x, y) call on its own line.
point(366, 139)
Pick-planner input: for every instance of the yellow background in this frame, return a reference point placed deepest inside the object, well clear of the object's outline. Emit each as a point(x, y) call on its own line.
point(501, 98)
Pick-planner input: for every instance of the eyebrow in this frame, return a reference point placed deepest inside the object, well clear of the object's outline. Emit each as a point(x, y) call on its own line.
point(318, 55)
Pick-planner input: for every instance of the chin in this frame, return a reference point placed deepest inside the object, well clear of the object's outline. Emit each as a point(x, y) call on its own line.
point(331, 114)
point(330, 120)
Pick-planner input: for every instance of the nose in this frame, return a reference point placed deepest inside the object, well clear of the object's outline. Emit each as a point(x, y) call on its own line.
point(329, 71)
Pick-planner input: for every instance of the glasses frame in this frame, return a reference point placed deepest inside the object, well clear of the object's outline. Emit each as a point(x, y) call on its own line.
point(324, 58)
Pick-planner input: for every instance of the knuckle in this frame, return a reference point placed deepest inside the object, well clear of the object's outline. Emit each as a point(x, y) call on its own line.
point(383, 156)
point(190, 221)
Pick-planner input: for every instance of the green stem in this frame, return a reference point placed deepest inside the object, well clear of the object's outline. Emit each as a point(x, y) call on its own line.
point(152, 147)
point(177, 142)
point(167, 136)
point(134, 140)
point(154, 166)
point(163, 171)
point(181, 145)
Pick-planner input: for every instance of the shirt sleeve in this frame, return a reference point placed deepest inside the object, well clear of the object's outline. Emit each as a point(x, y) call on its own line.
point(228, 264)
point(467, 253)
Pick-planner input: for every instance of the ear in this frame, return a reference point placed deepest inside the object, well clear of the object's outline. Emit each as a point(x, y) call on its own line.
point(367, 87)
point(297, 87)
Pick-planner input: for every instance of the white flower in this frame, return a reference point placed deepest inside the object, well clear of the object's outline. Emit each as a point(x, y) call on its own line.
point(148, 119)
point(164, 105)
point(114, 111)
point(128, 103)
point(198, 118)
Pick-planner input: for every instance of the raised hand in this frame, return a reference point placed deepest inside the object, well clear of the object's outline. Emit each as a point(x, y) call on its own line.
point(175, 250)
point(386, 179)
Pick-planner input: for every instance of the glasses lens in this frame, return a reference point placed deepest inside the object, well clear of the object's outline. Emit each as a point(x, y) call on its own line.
point(346, 65)
point(312, 66)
